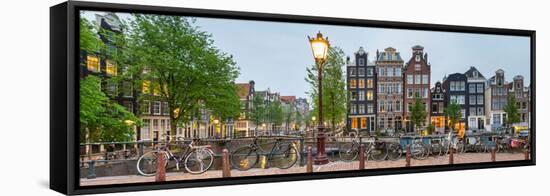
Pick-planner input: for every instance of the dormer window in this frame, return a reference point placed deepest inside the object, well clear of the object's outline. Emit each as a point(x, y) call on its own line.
point(475, 74)
point(361, 62)
point(417, 58)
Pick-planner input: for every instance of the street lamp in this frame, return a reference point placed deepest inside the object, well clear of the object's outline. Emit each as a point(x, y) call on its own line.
point(319, 47)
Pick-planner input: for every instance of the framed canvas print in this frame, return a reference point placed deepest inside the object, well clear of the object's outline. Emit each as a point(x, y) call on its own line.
point(146, 97)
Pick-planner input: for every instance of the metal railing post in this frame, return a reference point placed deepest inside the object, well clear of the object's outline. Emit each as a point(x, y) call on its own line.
point(302, 159)
point(91, 170)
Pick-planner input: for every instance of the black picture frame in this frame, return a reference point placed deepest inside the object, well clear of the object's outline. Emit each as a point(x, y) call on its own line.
point(64, 170)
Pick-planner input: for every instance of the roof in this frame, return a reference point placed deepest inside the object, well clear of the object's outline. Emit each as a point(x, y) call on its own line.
point(288, 99)
point(470, 73)
point(243, 89)
point(387, 53)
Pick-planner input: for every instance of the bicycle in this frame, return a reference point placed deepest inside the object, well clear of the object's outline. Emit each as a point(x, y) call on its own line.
point(374, 150)
point(283, 154)
point(451, 141)
point(196, 159)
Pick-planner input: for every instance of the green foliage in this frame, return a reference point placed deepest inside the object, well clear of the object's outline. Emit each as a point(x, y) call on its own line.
point(275, 113)
point(183, 64)
point(299, 120)
point(512, 111)
point(418, 113)
point(89, 40)
point(102, 120)
point(288, 115)
point(431, 129)
point(453, 114)
point(258, 111)
point(334, 87)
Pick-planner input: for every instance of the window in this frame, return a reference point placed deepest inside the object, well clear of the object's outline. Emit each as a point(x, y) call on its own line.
point(480, 88)
point(410, 93)
point(146, 87)
point(111, 68)
point(129, 106)
point(112, 88)
point(425, 79)
point(127, 89)
point(460, 99)
point(382, 71)
point(381, 107)
point(461, 86)
point(156, 107)
point(361, 62)
point(146, 107)
point(92, 62)
point(389, 106)
point(417, 67)
point(353, 95)
point(473, 111)
point(398, 72)
point(370, 108)
point(363, 123)
point(409, 107)
point(353, 83)
point(496, 119)
point(390, 57)
point(475, 73)
point(381, 122)
point(434, 107)
point(472, 88)
point(361, 71)
point(381, 88)
point(369, 95)
point(361, 83)
point(165, 108)
point(352, 71)
point(370, 71)
point(472, 99)
point(417, 58)
point(361, 95)
point(353, 109)
point(354, 123)
point(361, 108)
point(463, 113)
point(398, 88)
point(452, 86)
point(370, 83)
point(480, 111)
point(410, 79)
point(390, 71)
point(480, 99)
point(417, 79)
point(398, 106)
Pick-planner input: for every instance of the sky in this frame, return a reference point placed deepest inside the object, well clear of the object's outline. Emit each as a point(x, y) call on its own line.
point(275, 54)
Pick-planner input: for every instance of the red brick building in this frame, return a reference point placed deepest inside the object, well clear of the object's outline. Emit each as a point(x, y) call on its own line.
point(416, 75)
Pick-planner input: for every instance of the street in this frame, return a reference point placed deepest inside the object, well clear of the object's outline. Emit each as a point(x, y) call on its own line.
point(332, 166)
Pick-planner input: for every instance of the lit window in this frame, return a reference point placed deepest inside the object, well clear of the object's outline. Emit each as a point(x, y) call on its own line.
point(369, 95)
point(361, 83)
point(353, 84)
point(370, 83)
point(92, 62)
point(363, 123)
point(354, 123)
point(156, 88)
point(111, 68)
point(146, 87)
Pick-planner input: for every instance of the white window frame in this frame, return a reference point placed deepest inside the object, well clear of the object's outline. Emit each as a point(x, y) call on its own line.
point(155, 106)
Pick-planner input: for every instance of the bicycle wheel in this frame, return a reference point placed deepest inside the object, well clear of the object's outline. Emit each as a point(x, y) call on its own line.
point(147, 163)
point(198, 161)
point(418, 151)
point(244, 158)
point(378, 153)
point(348, 151)
point(285, 157)
point(394, 151)
point(436, 150)
point(460, 147)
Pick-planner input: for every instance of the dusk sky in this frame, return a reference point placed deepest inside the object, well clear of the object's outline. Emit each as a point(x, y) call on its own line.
point(275, 54)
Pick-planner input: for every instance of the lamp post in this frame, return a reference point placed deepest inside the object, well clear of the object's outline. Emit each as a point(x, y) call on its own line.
point(319, 47)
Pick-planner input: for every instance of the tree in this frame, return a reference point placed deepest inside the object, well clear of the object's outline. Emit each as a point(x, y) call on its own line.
point(89, 40)
point(512, 111)
point(453, 114)
point(334, 87)
point(288, 113)
point(275, 113)
point(258, 111)
point(298, 120)
point(180, 63)
point(418, 113)
point(102, 120)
